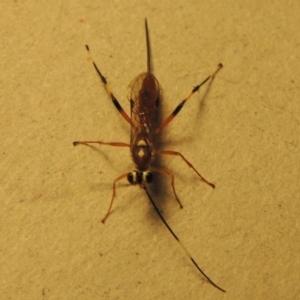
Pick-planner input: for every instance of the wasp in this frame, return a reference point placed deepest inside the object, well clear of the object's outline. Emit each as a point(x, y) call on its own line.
point(145, 100)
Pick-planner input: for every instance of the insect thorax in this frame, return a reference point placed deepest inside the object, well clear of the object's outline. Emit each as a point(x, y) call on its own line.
point(142, 151)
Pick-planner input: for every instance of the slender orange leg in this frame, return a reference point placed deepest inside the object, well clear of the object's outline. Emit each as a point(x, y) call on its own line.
point(181, 104)
point(109, 91)
point(170, 152)
point(170, 174)
point(113, 196)
point(115, 144)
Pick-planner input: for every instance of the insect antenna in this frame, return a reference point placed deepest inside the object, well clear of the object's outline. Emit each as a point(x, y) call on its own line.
point(179, 242)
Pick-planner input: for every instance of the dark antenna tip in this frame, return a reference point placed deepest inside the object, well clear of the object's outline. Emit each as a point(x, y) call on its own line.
point(179, 242)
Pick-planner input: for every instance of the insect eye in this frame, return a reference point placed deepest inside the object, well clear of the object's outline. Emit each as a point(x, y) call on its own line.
point(148, 177)
point(131, 177)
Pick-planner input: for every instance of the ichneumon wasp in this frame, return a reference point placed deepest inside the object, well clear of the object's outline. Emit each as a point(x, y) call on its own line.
point(144, 103)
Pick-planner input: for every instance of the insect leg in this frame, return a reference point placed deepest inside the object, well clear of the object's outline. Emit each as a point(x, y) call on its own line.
point(170, 152)
point(113, 196)
point(180, 244)
point(170, 174)
point(115, 144)
point(181, 104)
point(108, 90)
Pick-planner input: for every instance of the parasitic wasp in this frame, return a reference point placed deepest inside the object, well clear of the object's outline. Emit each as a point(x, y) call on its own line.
point(144, 103)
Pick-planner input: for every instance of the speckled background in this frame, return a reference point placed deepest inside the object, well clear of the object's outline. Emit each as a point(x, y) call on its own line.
point(242, 133)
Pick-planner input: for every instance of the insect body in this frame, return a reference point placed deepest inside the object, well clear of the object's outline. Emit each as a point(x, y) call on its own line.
point(144, 102)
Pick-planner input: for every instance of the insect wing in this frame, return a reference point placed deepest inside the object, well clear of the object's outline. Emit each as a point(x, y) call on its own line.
point(144, 98)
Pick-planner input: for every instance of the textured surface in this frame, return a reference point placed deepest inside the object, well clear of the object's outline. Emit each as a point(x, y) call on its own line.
point(244, 134)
